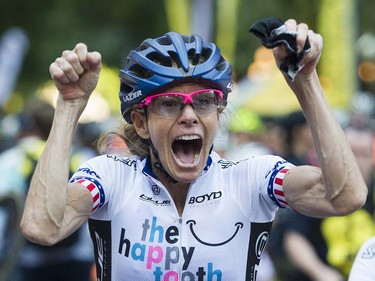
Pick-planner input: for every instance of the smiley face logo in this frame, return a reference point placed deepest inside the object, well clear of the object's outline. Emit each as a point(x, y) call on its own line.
point(191, 223)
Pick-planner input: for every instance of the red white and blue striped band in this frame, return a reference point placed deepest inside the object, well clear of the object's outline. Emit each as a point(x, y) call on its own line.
point(96, 190)
point(275, 187)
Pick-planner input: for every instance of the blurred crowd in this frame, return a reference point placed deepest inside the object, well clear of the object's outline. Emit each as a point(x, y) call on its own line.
point(300, 248)
point(72, 258)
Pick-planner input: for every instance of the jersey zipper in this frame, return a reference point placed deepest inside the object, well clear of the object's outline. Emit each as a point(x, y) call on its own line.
point(179, 219)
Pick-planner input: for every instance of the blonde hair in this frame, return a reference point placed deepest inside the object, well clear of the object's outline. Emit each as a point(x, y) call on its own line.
point(135, 145)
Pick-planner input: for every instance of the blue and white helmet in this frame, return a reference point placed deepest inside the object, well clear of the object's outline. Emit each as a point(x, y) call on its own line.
point(169, 60)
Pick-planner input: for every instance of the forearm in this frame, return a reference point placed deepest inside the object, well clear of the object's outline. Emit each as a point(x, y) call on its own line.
point(341, 176)
point(46, 201)
point(303, 256)
point(301, 253)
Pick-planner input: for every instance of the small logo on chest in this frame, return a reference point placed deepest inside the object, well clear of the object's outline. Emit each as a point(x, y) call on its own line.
point(205, 198)
point(152, 200)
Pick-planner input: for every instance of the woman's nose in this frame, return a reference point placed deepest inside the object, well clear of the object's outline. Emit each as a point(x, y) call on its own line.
point(188, 115)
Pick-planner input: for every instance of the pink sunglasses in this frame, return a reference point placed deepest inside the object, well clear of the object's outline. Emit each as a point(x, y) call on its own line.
point(171, 104)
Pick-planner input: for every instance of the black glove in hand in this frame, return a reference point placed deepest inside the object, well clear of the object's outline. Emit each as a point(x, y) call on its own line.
point(273, 33)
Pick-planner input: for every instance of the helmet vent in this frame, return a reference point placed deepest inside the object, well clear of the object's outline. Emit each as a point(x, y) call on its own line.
point(221, 65)
point(205, 55)
point(194, 58)
point(175, 60)
point(159, 59)
point(143, 47)
point(164, 41)
point(140, 71)
point(125, 88)
point(188, 39)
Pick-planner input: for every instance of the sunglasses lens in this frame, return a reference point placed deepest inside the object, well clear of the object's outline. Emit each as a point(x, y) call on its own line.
point(205, 102)
point(171, 104)
point(168, 106)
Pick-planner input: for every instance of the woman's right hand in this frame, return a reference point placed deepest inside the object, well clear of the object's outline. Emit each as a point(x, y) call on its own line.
point(76, 73)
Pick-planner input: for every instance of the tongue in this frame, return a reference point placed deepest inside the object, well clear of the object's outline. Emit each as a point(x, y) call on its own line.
point(184, 152)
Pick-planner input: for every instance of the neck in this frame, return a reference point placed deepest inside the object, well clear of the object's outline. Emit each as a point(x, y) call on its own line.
point(177, 190)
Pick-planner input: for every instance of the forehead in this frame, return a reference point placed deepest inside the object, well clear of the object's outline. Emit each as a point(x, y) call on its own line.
point(186, 88)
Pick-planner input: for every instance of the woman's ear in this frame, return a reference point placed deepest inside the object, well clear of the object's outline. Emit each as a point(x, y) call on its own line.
point(140, 124)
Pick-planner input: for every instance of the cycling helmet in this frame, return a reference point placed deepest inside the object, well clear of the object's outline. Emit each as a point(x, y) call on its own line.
point(169, 60)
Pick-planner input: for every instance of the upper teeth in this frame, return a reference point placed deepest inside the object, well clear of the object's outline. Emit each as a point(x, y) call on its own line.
point(189, 137)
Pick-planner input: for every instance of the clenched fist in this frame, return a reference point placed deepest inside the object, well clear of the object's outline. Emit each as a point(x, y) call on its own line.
point(76, 72)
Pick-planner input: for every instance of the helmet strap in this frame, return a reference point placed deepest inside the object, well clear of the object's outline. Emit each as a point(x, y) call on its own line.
point(157, 164)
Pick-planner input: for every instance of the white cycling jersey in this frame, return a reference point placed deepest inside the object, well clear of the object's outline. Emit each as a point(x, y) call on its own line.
point(363, 268)
point(139, 235)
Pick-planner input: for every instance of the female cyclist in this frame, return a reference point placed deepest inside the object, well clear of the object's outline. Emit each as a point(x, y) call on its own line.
point(176, 210)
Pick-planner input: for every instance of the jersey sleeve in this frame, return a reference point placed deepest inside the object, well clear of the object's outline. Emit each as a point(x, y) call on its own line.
point(270, 174)
point(91, 174)
point(363, 268)
point(274, 181)
point(260, 181)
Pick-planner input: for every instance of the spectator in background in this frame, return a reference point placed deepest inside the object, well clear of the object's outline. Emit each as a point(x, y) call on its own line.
point(345, 235)
point(245, 130)
point(16, 167)
point(274, 136)
point(300, 146)
point(112, 142)
point(72, 258)
point(324, 249)
point(299, 150)
point(86, 137)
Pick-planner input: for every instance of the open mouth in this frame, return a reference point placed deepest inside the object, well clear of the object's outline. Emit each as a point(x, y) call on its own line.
point(187, 148)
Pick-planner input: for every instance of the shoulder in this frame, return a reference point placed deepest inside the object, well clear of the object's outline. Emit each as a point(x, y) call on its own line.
point(108, 167)
point(363, 266)
point(261, 163)
point(368, 249)
point(113, 160)
point(268, 162)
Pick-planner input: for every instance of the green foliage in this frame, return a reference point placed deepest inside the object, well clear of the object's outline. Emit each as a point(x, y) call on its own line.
point(114, 27)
